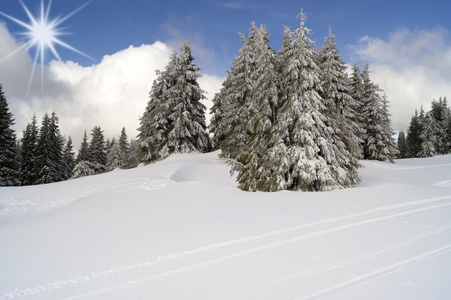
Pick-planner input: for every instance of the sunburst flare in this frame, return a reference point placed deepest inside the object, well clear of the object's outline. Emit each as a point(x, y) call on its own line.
point(42, 33)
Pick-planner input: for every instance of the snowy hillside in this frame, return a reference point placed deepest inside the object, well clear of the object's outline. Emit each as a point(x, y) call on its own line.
point(180, 229)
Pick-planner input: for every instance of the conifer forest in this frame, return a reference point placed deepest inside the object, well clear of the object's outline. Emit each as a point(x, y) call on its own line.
point(292, 119)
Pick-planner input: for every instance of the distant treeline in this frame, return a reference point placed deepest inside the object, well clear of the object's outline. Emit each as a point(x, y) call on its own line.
point(429, 133)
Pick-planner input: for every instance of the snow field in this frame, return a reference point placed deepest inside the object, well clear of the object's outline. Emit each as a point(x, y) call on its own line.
point(179, 229)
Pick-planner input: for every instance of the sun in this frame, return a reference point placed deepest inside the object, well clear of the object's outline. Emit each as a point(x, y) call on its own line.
point(42, 33)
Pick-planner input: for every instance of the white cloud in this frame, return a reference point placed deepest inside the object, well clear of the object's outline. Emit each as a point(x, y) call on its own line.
point(412, 66)
point(111, 94)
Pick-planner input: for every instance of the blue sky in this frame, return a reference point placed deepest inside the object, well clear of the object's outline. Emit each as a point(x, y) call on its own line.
point(107, 26)
point(406, 43)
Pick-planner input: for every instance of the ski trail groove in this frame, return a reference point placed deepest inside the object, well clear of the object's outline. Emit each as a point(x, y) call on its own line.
point(174, 256)
point(380, 272)
point(350, 260)
point(253, 250)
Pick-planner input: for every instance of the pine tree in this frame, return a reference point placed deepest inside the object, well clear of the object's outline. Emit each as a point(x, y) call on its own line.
point(357, 94)
point(97, 154)
point(429, 136)
point(84, 147)
point(402, 145)
point(28, 152)
point(391, 149)
point(378, 141)
point(230, 110)
point(49, 152)
point(441, 114)
point(413, 139)
point(69, 159)
point(305, 153)
point(124, 147)
point(263, 109)
point(85, 168)
point(174, 120)
point(114, 157)
point(154, 124)
point(188, 132)
point(9, 162)
point(340, 106)
point(132, 158)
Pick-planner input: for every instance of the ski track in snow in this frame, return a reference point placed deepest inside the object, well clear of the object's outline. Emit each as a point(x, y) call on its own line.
point(348, 261)
point(380, 272)
point(445, 183)
point(333, 226)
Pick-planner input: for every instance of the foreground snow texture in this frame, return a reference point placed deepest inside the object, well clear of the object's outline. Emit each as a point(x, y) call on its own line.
point(180, 229)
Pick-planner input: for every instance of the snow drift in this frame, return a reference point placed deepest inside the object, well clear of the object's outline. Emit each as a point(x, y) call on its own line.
point(180, 229)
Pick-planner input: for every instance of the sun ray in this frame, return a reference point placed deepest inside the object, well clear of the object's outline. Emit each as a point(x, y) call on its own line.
point(42, 33)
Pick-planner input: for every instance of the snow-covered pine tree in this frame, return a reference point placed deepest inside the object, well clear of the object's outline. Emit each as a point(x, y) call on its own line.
point(305, 153)
point(230, 106)
point(28, 152)
point(124, 147)
point(263, 108)
point(447, 126)
point(85, 168)
point(391, 148)
point(68, 158)
point(340, 106)
point(97, 155)
point(49, 152)
point(440, 112)
point(357, 94)
point(82, 166)
point(413, 139)
point(174, 120)
point(83, 152)
point(402, 145)
point(378, 141)
point(9, 158)
point(132, 158)
point(114, 159)
point(154, 124)
point(429, 136)
point(188, 132)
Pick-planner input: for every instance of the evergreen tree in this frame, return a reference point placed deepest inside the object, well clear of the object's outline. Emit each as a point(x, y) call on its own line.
point(69, 159)
point(123, 149)
point(92, 157)
point(340, 106)
point(402, 145)
point(441, 114)
point(97, 154)
point(84, 148)
point(49, 152)
point(188, 132)
point(378, 141)
point(230, 109)
point(85, 168)
point(305, 153)
point(114, 157)
point(174, 120)
point(413, 139)
point(263, 109)
point(357, 94)
point(28, 152)
point(155, 124)
point(429, 136)
point(132, 158)
point(391, 149)
point(9, 159)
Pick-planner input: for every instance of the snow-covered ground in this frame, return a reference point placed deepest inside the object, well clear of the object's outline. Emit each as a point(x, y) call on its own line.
point(180, 229)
